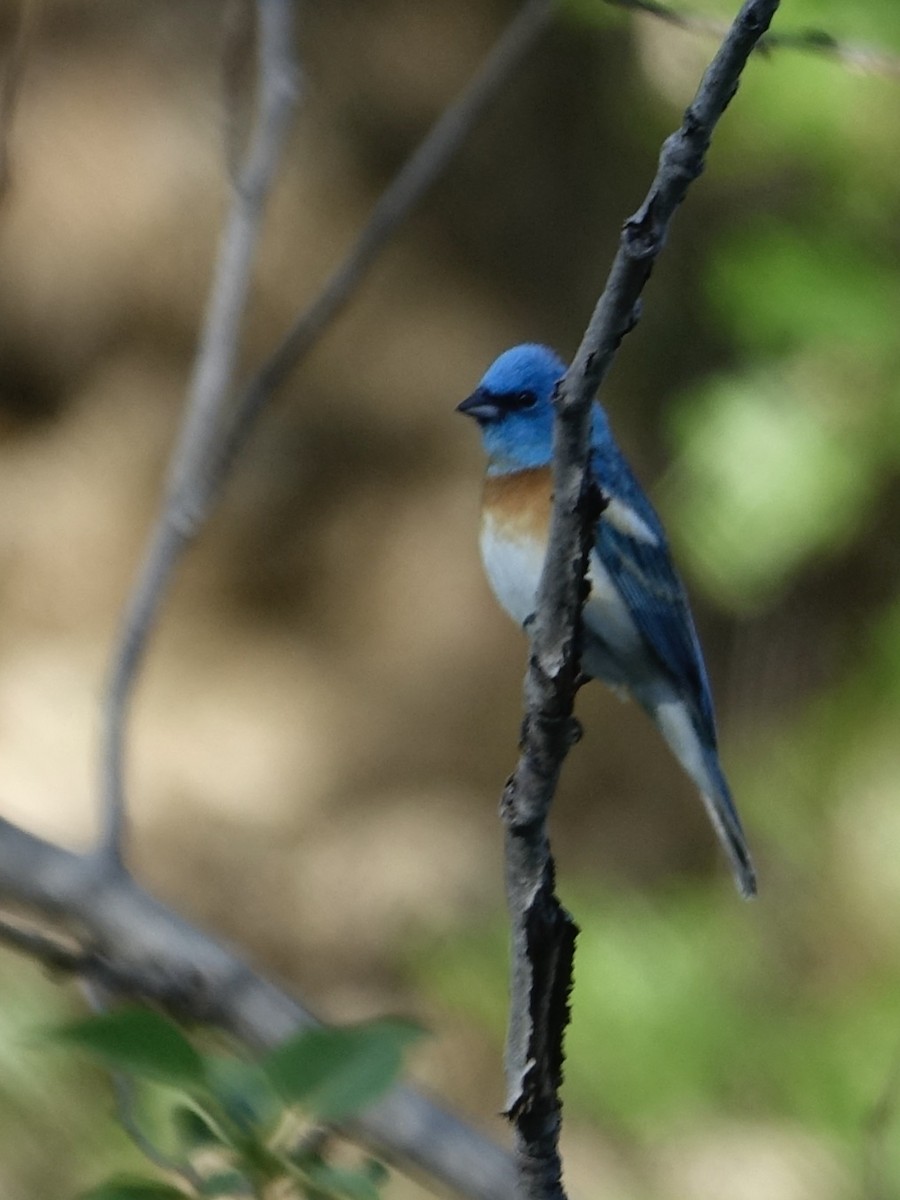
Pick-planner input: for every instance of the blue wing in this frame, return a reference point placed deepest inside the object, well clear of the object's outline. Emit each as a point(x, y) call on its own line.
point(641, 569)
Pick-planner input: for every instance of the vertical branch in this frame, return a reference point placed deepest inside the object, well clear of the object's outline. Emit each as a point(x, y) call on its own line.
point(209, 389)
point(543, 934)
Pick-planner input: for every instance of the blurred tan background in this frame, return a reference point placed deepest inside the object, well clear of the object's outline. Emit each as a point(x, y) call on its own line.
point(332, 701)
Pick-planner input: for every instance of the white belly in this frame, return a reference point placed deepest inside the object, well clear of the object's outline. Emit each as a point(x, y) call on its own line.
point(513, 567)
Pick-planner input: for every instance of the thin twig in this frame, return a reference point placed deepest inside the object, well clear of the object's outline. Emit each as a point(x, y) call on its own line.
point(543, 934)
point(51, 951)
point(205, 454)
point(12, 71)
point(811, 41)
point(137, 947)
point(392, 208)
point(238, 38)
point(209, 390)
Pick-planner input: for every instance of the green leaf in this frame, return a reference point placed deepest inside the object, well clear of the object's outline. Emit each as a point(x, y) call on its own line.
point(336, 1072)
point(130, 1188)
point(226, 1183)
point(746, 531)
point(244, 1092)
point(138, 1041)
point(194, 1129)
point(339, 1181)
point(376, 1171)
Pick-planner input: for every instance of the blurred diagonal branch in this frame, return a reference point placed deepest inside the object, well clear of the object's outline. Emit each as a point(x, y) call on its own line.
point(812, 41)
point(54, 953)
point(206, 450)
point(209, 390)
point(543, 933)
point(394, 205)
point(131, 945)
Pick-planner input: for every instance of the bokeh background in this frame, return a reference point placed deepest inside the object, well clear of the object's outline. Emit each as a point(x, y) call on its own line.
point(332, 701)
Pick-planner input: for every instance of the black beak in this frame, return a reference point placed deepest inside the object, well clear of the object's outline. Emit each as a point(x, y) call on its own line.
point(480, 405)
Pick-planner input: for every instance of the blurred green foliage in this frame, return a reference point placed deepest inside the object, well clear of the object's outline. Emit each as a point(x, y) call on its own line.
point(686, 1011)
point(228, 1118)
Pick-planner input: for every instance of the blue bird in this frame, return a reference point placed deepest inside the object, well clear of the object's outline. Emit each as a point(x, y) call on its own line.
point(639, 635)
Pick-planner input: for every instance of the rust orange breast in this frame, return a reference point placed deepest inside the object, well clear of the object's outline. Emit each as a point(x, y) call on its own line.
point(519, 503)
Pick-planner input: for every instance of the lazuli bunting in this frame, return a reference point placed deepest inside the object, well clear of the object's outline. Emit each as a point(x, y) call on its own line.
point(639, 635)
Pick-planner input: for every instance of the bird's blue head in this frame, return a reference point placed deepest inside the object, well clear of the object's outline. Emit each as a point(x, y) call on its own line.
point(512, 405)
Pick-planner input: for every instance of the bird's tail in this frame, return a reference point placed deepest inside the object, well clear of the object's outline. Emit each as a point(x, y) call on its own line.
point(701, 762)
point(727, 824)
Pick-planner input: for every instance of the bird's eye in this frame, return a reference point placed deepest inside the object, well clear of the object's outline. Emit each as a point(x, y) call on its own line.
point(522, 399)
